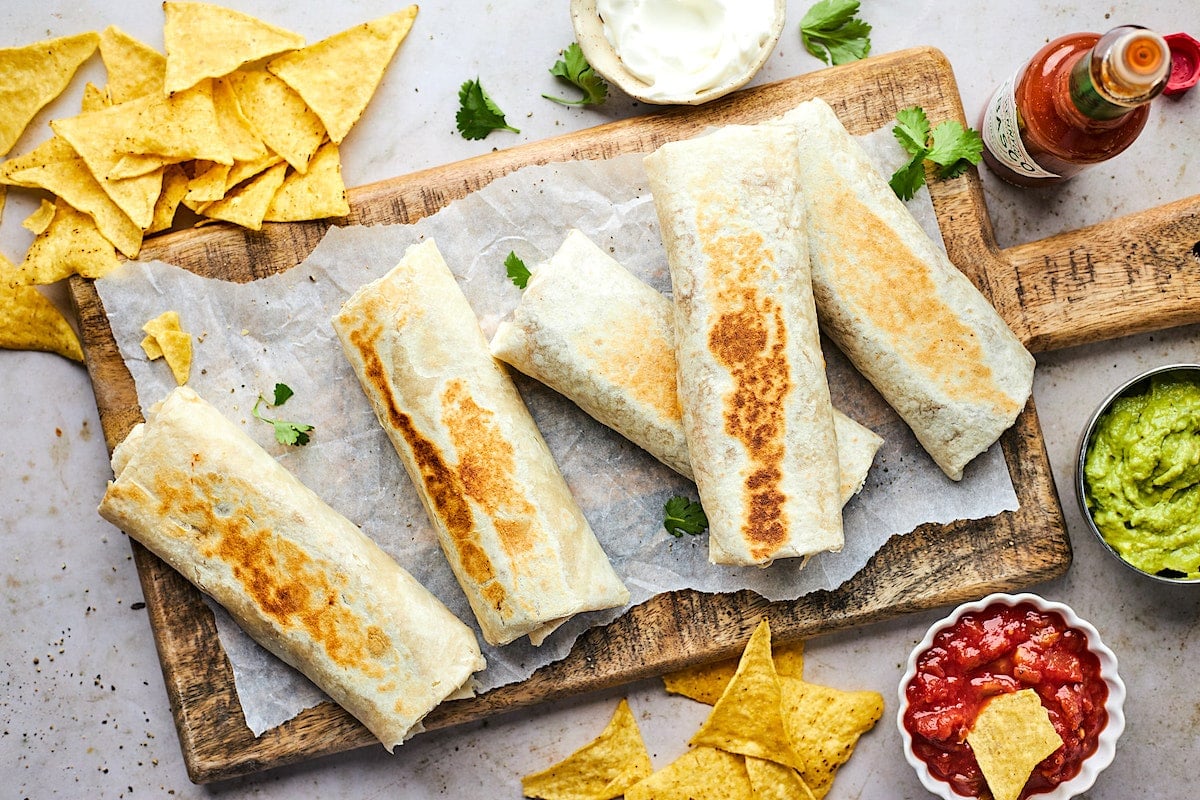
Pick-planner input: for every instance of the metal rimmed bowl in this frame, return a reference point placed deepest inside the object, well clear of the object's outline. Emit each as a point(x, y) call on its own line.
point(1133, 386)
point(589, 32)
point(1106, 746)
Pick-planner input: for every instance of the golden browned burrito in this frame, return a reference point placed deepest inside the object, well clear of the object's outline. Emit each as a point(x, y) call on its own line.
point(297, 576)
point(515, 537)
point(904, 315)
point(594, 332)
point(756, 407)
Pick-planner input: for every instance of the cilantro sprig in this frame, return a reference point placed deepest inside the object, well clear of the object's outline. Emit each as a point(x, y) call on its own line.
point(290, 433)
point(478, 115)
point(681, 515)
point(949, 145)
point(831, 32)
point(518, 273)
point(575, 70)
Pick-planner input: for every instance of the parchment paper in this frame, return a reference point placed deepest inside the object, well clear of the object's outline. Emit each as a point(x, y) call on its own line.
point(250, 336)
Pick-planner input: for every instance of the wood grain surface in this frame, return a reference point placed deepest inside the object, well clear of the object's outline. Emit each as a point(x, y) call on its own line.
point(1138, 274)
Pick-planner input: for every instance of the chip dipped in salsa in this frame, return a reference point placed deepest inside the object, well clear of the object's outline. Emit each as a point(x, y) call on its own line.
point(1001, 649)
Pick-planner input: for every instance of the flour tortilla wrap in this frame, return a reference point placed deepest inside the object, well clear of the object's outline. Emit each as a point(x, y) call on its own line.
point(756, 407)
point(594, 332)
point(515, 537)
point(907, 318)
point(297, 576)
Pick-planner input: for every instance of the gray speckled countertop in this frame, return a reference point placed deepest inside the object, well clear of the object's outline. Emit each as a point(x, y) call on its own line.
point(83, 711)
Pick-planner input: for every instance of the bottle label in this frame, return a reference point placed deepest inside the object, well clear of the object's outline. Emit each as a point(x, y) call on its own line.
point(1002, 137)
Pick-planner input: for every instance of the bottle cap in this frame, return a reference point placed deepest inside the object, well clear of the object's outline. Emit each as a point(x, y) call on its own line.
point(1185, 63)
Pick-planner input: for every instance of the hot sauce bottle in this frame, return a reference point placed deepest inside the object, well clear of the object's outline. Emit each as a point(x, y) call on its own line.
point(1082, 99)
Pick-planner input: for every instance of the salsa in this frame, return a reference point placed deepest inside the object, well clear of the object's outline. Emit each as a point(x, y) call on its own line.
point(998, 650)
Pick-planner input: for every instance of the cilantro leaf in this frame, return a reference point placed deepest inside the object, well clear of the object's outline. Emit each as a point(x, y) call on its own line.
point(831, 32)
point(954, 148)
point(518, 273)
point(574, 69)
point(681, 515)
point(478, 115)
point(912, 130)
point(291, 433)
point(906, 180)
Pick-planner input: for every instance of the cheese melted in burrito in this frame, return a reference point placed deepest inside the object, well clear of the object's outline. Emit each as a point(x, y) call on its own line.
point(904, 315)
point(756, 407)
point(297, 576)
point(515, 537)
point(594, 332)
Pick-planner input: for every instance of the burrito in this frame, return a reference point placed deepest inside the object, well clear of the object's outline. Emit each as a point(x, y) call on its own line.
point(906, 317)
point(517, 541)
point(591, 330)
point(751, 377)
point(297, 576)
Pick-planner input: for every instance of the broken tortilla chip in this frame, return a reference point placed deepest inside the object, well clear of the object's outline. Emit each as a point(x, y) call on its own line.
point(94, 98)
point(702, 773)
point(279, 116)
point(747, 719)
point(135, 69)
point(772, 781)
point(39, 220)
point(247, 205)
point(171, 342)
point(319, 72)
point(1012, 735)
point(207, 41)
point(705, 683)
point(174, 187)
point(317, 194)
point(824, 725)
point(29, 321)
point(33, 76)
point(150, 348)
point(70, 245)
point(601, 770)
point(208, 184)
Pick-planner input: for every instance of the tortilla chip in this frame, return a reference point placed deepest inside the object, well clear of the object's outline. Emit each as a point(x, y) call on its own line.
point(823, 725)
point(134, 165)
point(208, 184)
point(70, 245)
point(772, 781)
point(150, 348)
point(134, 69)
point(39, 220)
point(33, 76)
point(3, 200)
point(176, 348)
point(244, 170)
point(182, 126)
point(247, 204)
point(94, 98)
point(702, 773)
point(279, 116)
point(705, 683)
point(208, 41)
point(317, 194)
point(56, 167)
point(338, 76)
point(746, 719)
point(239, 135)
point(601, 770)
point(166, 321)
point(174, 187)
point(98, 137)
point(28, 321)
point(1012, 735)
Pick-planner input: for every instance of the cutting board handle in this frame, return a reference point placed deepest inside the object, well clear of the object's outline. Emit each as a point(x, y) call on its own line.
point(1134, 274)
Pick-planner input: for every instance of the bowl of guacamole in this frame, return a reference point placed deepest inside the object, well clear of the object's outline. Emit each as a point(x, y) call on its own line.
point(1138, 475)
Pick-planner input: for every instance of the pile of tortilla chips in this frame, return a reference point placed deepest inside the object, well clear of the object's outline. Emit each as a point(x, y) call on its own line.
point(239, 121)
point(770, 735)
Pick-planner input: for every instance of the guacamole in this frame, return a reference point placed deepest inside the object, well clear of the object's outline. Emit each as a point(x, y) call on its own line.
point(1142, 475)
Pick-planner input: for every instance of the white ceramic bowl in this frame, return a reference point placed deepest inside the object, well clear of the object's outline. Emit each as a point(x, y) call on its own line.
point(1106, 747)
point(589, 32)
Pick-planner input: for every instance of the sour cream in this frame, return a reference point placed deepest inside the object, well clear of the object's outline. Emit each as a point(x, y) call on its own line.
point(685, 47)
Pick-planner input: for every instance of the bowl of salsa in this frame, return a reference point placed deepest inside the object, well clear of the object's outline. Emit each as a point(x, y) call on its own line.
point(1002, 644)
point(1138, 473)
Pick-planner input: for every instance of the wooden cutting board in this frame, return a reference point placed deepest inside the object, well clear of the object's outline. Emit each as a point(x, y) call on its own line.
point(1129, 275)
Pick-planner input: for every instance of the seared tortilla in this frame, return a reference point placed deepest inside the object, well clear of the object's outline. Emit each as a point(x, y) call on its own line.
point(756, 407)
point(514, 535)
point(297, 576)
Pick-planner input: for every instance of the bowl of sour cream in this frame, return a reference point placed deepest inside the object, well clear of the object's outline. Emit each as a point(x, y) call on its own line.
point(677, 52)
point(1138, 473)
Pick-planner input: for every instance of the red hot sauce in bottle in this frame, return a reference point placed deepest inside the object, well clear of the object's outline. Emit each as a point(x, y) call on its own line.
point(1081, 99)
